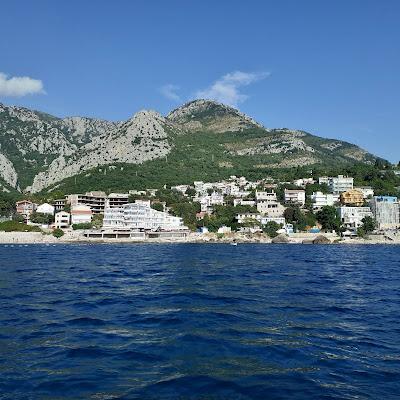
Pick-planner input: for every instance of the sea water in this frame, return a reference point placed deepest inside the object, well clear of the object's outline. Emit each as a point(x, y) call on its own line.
point(191, 321)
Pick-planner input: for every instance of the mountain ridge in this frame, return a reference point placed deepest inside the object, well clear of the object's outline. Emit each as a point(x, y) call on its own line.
point(38, 150)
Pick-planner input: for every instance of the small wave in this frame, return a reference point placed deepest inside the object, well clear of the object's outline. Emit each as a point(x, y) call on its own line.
point(86, 321)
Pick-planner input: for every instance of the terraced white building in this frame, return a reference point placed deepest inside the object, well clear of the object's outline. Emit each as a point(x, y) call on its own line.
point(140, 216)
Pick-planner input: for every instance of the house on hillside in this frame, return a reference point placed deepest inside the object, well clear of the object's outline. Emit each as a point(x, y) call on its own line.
point(62, 220)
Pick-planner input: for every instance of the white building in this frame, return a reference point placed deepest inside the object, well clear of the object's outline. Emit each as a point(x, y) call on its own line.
point(224, 229)
point(386, 212)
point(271, 196)
point(140, 216)
point(270, 208)
point(199, 186)
point(62, 219)
point(208, 201)
point(180, 188)
point(45, 208)
point(81, 214)
point(303, 182)
point(295, 196)
point(320, 199)
point(337, 184)
point(351, 217)
point(243, 202)
point(367, 191)
point(262, 219)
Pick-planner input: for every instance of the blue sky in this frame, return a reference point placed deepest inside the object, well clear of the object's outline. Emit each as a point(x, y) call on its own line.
point(330, 68)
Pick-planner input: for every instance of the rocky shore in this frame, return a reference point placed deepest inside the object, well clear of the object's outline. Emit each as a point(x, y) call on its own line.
point(297, 238)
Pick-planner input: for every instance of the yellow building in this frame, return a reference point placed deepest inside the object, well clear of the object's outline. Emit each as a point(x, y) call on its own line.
point(352, 197)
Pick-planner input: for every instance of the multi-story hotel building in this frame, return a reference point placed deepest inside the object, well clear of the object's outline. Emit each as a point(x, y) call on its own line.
point(140, 216)
point(97, 200)
point(337, 184)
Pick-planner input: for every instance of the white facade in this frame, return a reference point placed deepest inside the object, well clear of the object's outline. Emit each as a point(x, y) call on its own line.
point(45, 208)
point(242, 202)
point(270, 208)
point(140, 216)
point(81, 214)
point(351, 217)
point(262, 219)
point(367, 191)
point(271, 196)
point(386, 212)
point(62, 220)
point(320, 199)
point(303, 182)
point(207, 201)
point(295, 196)
point(224, 229)
point(337, 184)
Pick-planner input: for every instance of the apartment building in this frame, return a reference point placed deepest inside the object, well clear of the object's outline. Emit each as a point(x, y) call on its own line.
point(59, 204)
point(367, 191)
point(337, 184)
point(265, 195)
point(352, 197)
point(351, 217)
point(81, 214)
point(320, 200)
point(270, 208)
point(117, 199)
point(386, 212)
point(97, 200)
point(25, 208)
point(295, 196)
point(303, 182)
point(62, 220)
point(140, 216)
point(244, 202)
point(262, 219)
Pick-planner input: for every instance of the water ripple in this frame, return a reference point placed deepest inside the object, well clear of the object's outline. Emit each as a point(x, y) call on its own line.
point(199, 322)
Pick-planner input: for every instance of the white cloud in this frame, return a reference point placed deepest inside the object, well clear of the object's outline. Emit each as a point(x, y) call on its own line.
point(18, 86)
point(227, 89)
point(170, 92)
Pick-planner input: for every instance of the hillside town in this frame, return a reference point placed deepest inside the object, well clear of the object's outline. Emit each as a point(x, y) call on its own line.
point(232, 206)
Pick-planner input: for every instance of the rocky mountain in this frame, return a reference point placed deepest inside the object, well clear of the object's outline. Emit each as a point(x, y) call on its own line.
point(41, 152)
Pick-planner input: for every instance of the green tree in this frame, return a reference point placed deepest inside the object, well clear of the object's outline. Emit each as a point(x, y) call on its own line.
point(190, 192)
point(97, 221)
point(368, 224)
point(329, 219)
point(7, 204)
point(298, 218)
point(58, 233)
point(250, 223)
point(271, 228)
point(157, 206)
point(39, 218)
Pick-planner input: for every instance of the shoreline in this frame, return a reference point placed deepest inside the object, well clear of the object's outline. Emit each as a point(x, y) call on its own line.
point(25, 238)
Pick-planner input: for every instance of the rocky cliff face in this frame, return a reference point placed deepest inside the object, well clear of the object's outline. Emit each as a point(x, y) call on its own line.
point(38, 150)
point(205, 115)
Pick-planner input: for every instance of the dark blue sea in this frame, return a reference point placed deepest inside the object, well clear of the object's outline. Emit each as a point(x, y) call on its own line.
point(199, 322)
